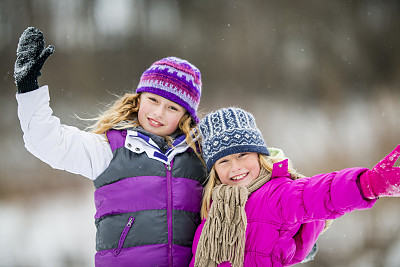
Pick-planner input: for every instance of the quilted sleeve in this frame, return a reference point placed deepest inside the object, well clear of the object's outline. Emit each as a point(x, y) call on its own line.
point(320, 197)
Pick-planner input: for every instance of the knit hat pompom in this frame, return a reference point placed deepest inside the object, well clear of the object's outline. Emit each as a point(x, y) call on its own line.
point(174, 79)
point(229, 131)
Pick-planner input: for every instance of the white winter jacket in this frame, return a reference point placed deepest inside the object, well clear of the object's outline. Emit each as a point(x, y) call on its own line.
point(62, 147)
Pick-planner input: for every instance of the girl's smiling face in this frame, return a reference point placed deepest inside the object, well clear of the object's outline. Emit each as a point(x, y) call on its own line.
point(238, 169)
point(158, 115)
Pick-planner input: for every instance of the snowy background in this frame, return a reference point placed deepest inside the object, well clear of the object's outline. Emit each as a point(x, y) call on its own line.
point(322, 80)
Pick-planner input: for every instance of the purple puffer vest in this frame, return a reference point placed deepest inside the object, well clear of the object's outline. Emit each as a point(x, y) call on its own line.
point(147, 211)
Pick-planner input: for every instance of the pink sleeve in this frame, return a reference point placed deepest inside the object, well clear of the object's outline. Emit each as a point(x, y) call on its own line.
point(320, 197)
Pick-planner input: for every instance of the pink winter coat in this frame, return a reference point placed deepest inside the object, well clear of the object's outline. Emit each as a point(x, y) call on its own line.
point(285, 216)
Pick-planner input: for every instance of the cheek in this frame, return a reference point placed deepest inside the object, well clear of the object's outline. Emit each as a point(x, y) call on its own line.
point(173, 121)
point(256, 170)
point(222, 174)
point(141, 115)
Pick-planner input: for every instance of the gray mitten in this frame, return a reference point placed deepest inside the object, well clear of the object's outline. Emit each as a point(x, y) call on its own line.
point(31, 55)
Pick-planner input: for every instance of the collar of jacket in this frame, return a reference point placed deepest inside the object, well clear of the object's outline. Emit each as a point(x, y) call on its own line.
point(138, 142)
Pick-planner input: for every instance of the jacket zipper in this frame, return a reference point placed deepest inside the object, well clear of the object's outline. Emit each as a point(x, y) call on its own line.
point(123, 236)
point(169, 212)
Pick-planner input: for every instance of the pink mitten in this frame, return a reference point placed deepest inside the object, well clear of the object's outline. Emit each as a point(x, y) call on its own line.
point(384, 179)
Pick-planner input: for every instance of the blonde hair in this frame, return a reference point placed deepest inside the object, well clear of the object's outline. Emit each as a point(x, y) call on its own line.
point(123, 114)
point(266, 164)
point(119, 115)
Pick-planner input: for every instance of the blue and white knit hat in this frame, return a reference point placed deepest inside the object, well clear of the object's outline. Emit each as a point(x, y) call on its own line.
point(175, 79)
point(229, 131)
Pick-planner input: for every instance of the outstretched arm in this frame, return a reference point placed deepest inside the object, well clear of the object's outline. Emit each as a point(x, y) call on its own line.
point(321, 197)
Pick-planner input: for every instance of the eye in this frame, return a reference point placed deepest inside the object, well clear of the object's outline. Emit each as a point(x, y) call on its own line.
point(242, 155)
point(152, 99)
point(222, 161)
point(173, 108)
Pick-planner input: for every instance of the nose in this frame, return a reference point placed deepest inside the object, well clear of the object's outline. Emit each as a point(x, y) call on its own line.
point(158, 111)
point(235, 166)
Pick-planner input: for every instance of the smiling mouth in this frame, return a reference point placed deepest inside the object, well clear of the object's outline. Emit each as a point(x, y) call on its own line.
point(239, 177)
point(155, 123)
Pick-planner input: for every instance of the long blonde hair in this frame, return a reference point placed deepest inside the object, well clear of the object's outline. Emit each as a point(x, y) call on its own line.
point(123, 114)
point(266, 164)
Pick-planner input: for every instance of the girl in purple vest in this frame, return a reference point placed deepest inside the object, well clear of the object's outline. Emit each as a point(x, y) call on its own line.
point(257, 211)
point(141, 155)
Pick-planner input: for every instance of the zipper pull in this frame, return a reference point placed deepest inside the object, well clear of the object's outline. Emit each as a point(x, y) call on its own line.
point(129, 224)
point(168, 167)
point(123, 236)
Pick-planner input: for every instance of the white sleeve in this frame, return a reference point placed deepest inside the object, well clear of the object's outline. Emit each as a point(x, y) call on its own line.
point(61, 146)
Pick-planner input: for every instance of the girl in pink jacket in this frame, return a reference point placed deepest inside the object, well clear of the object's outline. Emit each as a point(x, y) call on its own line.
point(257, 211)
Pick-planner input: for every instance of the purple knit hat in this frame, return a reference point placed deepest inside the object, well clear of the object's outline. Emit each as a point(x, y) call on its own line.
point(176, 80)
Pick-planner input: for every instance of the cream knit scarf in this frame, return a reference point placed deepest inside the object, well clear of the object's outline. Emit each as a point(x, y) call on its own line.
point(223, 236)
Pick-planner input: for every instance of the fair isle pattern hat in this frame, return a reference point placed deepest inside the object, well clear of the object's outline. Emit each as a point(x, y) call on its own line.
point(230, 131)
point(174, 79)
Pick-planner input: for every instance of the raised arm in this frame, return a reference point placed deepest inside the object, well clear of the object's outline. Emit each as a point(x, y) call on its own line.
point(60, 146)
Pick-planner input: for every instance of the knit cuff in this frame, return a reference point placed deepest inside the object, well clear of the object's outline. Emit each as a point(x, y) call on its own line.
point(364, 184)
point(27, 85)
